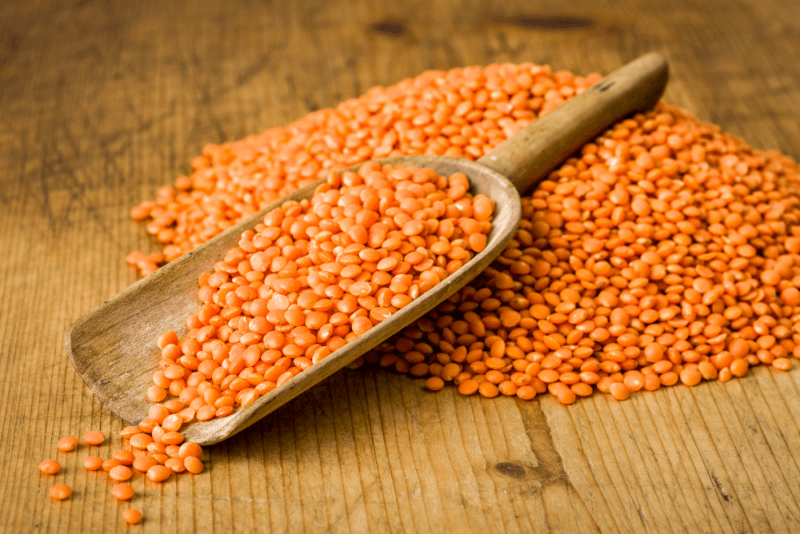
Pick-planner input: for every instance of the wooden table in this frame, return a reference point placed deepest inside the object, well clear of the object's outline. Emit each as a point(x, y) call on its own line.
point(103, 102)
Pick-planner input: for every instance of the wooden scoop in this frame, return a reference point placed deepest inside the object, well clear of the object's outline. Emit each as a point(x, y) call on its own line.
point(113, 347)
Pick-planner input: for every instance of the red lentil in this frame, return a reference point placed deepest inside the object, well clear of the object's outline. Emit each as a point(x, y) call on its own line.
point(143, 463)
point(67, 443)
point(110, 464)
point(131, 516)
point(95, 437)
point(60, 492)
point(190, 449)
point(158, 473)
point(122, 492)
point(93, 463)
point(193, 464)
point(124, 457)
point(120, 473)
point(237, 179)
point(49, 467)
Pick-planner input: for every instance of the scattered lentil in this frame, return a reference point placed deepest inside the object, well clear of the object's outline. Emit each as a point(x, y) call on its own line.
point(122, 492)
point(49, 467)
point(131, 516)
point(67, 443)
point(93, 463)
point(94, 437)
point(120, 473)
point(60, 492)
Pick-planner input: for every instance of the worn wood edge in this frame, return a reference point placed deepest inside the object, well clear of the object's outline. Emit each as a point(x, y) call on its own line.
point(91, 366)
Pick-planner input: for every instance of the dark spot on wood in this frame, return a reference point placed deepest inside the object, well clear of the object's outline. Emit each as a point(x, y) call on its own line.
point(511, 470)
point(389, 27)
point(10, 43)
point(550, 22)
point(613, 29)
point(604, 86)
point(720, 489)
point(10, 40)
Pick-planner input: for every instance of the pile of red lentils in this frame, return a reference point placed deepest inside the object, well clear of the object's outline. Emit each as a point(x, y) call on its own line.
point(664, 252)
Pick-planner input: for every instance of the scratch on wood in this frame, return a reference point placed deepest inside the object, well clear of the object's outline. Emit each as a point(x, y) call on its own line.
point(720, 489)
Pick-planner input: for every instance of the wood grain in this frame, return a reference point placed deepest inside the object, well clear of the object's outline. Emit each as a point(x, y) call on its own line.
point(102, 102)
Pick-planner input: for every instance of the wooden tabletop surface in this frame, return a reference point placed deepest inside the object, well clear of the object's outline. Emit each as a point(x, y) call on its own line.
point(104, 101)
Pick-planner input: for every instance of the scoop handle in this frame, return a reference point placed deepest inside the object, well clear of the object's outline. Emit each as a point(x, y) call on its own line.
point(530, 155)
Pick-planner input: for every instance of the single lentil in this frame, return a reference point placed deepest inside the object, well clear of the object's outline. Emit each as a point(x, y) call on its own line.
point(67, 443)
point(93, 463)
point(94, 437)
point(131, 516)
point(60, 492)
point(122, 492)
point(49, 467)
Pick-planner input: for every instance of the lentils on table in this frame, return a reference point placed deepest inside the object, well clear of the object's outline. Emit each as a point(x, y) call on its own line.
point(665, 253)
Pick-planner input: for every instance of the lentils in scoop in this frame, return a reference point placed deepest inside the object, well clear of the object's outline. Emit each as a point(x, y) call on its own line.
point(313, 277)
point(667, 252)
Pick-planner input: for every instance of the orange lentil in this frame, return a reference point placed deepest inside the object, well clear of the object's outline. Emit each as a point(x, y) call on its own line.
point(93, 463)
point(193, 464)
point(110, 464)
point(122, 492)
point(120, 473)
point(158, 473)
point(434, 383)
point(487, 389)
point(784, 364)
point(49, 467)
point(175, 464)
point(143, 463)
point(140, 441)
point(468, 387)
point(94, 437)
point(130, 431)
point(739, 367)
point(131, 516)
point(190, 448)
point(67, 443)
point(668, 304)
point(690, 376)
point(669, 378)
point(60, 492)
point(124, 457)
point(619, 391)
point(173, 438)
